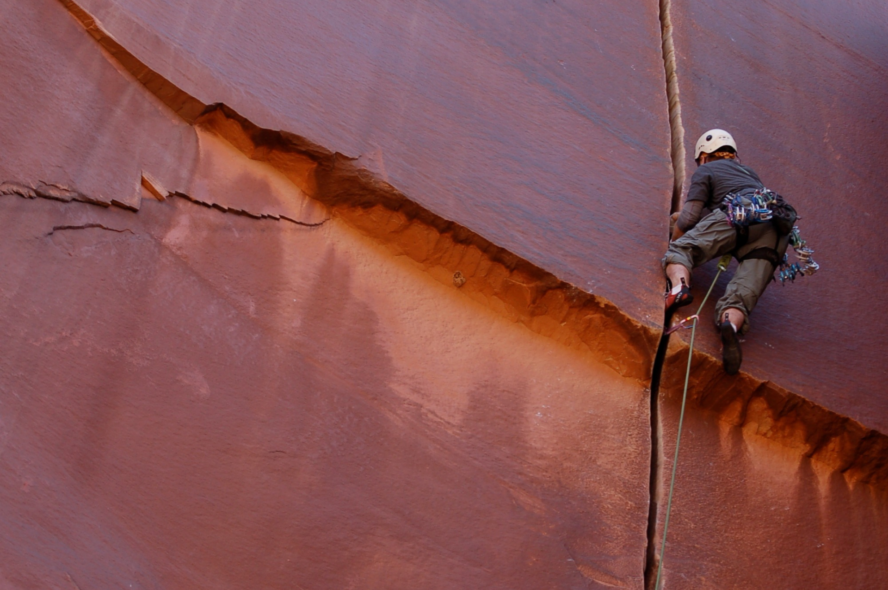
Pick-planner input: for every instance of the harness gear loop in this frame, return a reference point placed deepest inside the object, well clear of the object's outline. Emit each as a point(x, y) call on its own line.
point(722, 266)
point(746, 208)
point(804, 267)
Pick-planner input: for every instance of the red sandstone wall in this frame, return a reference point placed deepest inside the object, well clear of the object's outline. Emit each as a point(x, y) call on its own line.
point(805, 87)
point(191, 397)
point(500, 116)
point(752, 513)
point(543, 128)
point(203, 400)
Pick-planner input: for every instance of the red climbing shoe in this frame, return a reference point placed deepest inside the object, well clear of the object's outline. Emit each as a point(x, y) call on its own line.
point(679, 298)
point(732, 356)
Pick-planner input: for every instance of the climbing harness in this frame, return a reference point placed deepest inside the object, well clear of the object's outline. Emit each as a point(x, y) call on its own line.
point(804, 267)
point(743, 210)
point(722, 266)
point(750, 206)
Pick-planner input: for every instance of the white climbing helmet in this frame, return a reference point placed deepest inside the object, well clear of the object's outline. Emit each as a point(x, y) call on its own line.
point(712, 140)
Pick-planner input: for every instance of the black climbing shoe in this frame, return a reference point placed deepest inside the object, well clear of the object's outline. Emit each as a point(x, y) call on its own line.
point(732, 356)
point(680, 299)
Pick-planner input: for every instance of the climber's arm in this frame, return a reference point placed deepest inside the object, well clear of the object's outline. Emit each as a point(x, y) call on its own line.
point(699, 193)
point(688, 218)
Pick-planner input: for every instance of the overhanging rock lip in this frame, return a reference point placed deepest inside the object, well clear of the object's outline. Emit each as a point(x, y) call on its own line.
point(522, 290)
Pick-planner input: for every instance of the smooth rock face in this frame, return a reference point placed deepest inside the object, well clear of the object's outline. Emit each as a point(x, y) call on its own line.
point(195, 399)
point(540, 125)
point(803, 86)
point(506, 119)
point(751, 513)
point(204, 394)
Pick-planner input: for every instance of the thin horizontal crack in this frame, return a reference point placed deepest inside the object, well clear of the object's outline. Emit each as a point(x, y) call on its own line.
point(88, 226)
point(16, 188)
point(57, 192)
point(245, 213)
point(305, 224)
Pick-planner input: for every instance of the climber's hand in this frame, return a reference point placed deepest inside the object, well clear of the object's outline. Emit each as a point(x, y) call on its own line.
point(676, 233)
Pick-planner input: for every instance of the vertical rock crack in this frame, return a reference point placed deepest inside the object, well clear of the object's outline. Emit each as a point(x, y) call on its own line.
point(672, 96)
point(677, 153)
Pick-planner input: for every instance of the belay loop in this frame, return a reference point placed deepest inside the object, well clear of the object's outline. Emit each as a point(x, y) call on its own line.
point(760, 206)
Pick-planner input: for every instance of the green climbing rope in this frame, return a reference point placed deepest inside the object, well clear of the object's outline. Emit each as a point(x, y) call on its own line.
point(722, 266)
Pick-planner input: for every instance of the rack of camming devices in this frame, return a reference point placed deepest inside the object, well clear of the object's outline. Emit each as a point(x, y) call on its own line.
point(743, 211)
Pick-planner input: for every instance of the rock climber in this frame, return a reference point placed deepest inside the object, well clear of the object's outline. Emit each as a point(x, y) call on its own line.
point(702, 232)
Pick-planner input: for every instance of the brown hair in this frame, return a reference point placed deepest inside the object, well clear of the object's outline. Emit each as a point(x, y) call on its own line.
point(722, 155)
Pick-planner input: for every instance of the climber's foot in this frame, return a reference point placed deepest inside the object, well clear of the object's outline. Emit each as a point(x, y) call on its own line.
point(732, 356)
point(678, 297)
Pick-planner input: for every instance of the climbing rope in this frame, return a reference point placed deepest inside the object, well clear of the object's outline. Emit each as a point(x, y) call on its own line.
point(722, 266)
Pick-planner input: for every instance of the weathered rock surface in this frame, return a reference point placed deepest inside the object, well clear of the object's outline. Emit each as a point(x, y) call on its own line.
point(541, 126)
point(234, 357)
point(803, 87)
point(752, 513)
point(514, 132)
point(197, 398)
point(201, 400)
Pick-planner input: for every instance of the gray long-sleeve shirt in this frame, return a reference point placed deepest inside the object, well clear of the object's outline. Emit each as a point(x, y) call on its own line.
point(710, 184)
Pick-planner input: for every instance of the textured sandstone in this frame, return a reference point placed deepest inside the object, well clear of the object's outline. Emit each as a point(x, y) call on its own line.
point(538, 125)
point(193, 397)
point(470, 142)
point(207, 400)
point(751, 513)
point(293, 368)
point(803, 87)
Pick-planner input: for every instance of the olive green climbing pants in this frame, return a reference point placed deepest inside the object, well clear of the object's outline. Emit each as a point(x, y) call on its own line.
point(713, 237)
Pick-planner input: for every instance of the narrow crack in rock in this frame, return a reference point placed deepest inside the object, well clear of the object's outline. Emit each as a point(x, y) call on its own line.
point(677, 153)
point(676, 127)
point(654, 484)
point(87, 226)
point(244, 212)
point(56, 192)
